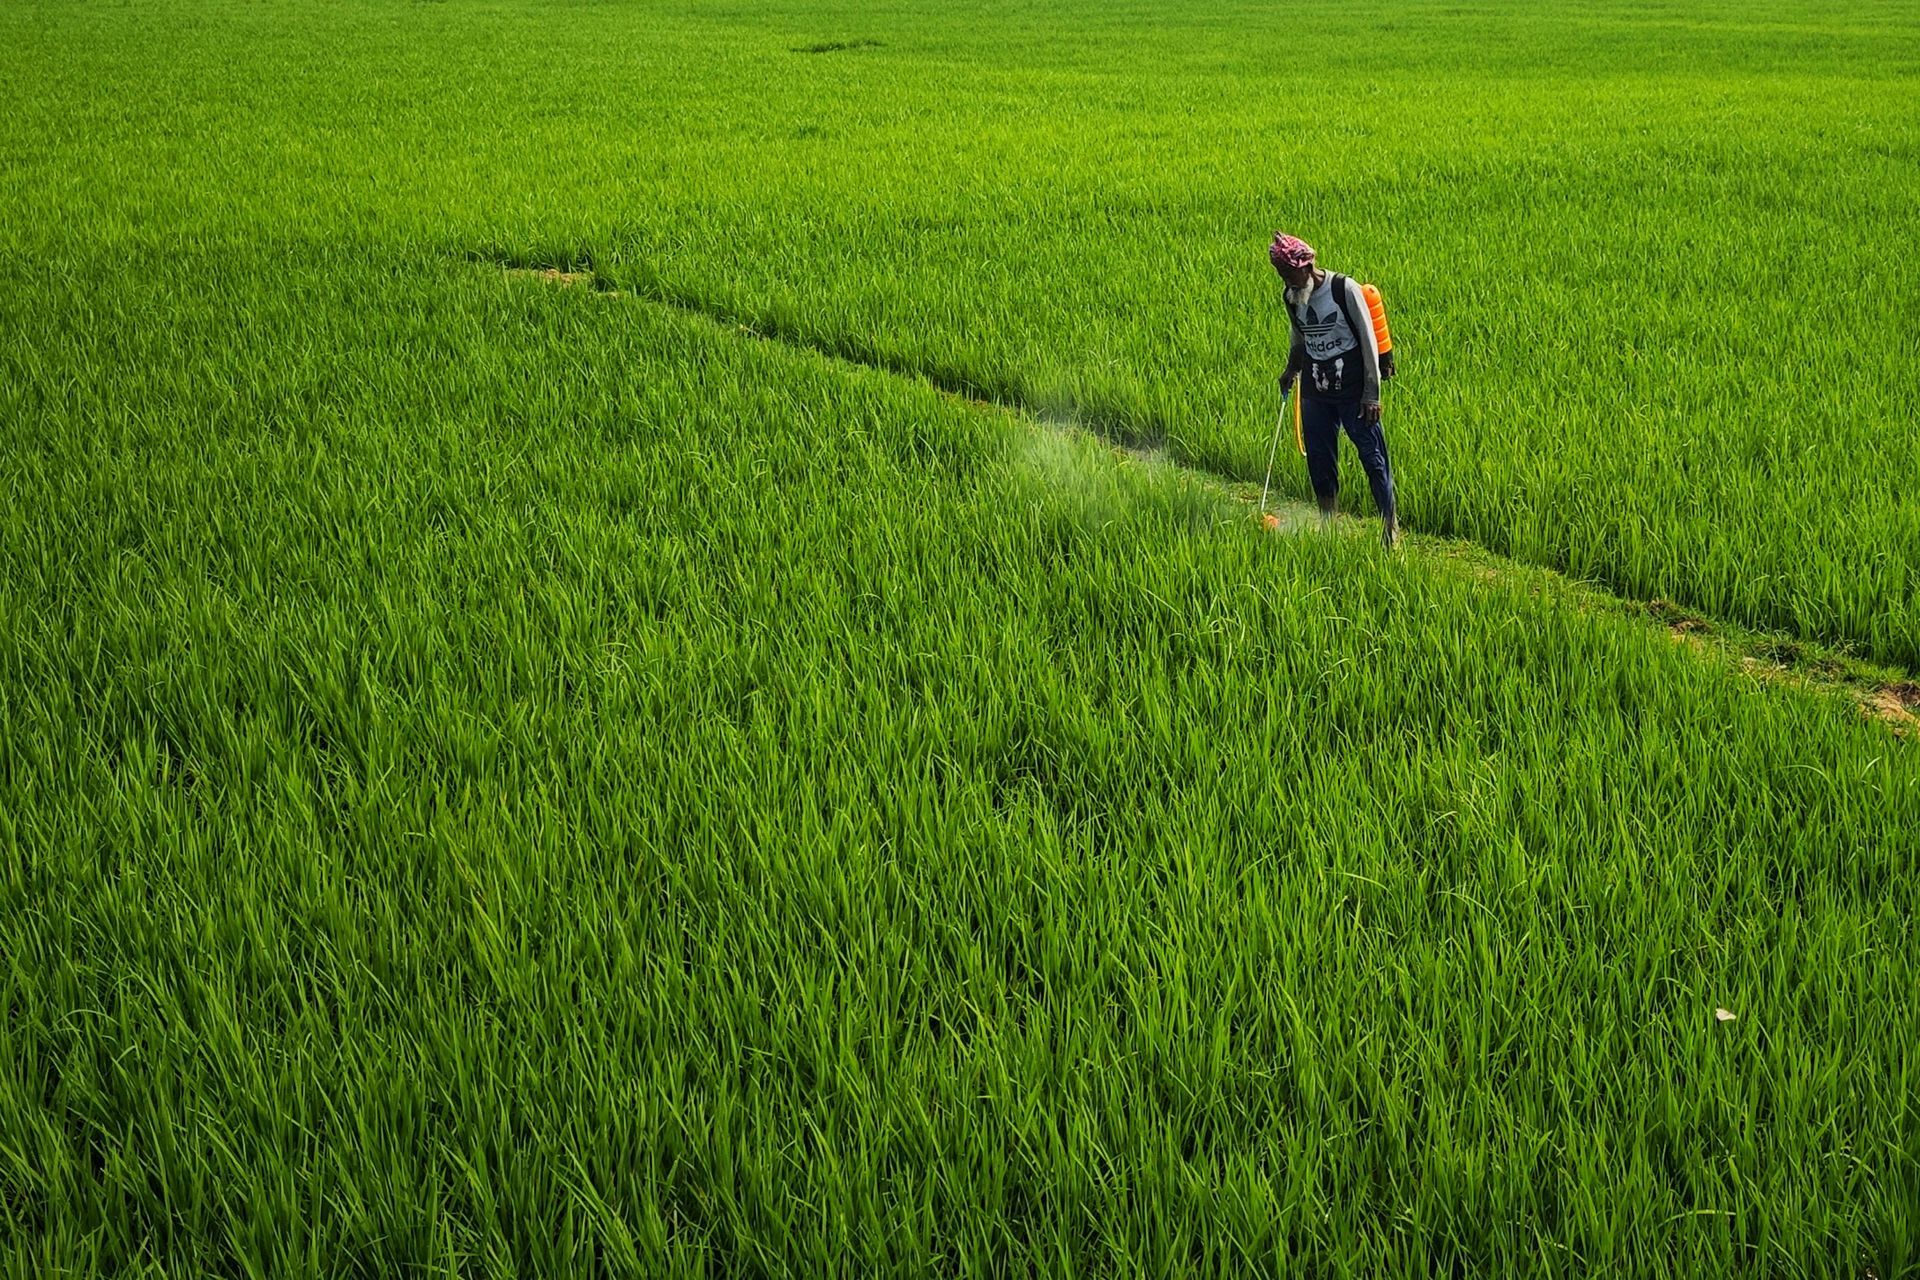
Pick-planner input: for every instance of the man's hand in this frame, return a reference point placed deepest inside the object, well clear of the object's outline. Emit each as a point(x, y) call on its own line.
point(1371, 412)
point(1286, 383)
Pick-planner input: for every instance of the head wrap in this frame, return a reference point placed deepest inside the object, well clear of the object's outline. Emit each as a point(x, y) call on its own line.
point(1289, 251)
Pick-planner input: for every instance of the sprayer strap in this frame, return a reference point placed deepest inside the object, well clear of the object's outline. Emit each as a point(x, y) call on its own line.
point(1340, 297)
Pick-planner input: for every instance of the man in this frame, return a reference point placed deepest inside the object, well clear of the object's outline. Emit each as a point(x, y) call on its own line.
point(1333, 345)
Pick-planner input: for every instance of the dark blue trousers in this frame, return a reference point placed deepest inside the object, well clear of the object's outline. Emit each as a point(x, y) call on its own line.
point(1320, 423)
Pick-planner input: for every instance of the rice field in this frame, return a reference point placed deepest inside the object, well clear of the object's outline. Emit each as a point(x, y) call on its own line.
point(789, 755)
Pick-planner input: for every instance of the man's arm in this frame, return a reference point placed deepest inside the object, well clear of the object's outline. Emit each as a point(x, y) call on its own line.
point(1296, 357)
point(1369, 345)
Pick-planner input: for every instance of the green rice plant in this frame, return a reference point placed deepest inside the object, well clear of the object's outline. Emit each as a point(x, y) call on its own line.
point(644, 799)
point(496, 779)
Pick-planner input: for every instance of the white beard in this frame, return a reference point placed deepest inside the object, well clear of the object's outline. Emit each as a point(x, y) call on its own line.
point(1298, 297)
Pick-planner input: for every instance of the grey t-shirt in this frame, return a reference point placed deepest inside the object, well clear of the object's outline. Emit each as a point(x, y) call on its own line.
point(1336, 363)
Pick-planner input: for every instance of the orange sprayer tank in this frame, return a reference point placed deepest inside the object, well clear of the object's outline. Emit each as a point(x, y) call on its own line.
point(1382, 339)
point(1377, 308)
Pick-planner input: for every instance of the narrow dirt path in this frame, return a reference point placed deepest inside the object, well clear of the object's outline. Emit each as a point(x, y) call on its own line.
point(1883, 694)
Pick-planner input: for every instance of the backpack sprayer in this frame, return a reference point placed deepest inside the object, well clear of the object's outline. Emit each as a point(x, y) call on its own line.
point(1377, 312)
point(1383, 342)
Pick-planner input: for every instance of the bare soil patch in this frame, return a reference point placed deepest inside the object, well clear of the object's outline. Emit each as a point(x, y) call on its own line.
point(561, 276)
point(1897, 704)
point(836, 46)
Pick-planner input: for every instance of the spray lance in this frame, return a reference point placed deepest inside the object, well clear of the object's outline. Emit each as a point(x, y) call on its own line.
point(1273, 522)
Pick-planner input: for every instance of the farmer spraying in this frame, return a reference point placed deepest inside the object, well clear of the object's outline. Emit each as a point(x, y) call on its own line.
point(1335, 348)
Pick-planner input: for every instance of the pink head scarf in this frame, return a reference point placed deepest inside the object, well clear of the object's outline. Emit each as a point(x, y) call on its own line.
point(1289, 251)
